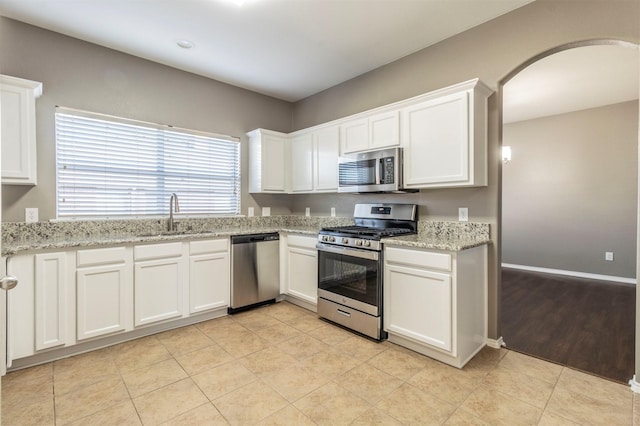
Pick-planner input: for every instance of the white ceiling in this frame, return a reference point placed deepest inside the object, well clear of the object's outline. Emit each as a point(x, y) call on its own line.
point(289, 49)
point(572, 80)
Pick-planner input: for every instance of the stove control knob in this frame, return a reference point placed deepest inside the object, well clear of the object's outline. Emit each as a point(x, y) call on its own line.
point(323, 238)
point(367, 243)
point(332, 239)
point(358, 242)
point(345, 241)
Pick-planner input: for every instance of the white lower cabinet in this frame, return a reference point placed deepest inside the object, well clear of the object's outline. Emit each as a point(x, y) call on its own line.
point(38, 314)
point(435, 302)
point(104, 291)
point(159, 279)
point(209, 275)
point(300, 266)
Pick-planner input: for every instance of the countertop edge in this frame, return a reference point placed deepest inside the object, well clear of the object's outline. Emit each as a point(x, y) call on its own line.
point(13, 249)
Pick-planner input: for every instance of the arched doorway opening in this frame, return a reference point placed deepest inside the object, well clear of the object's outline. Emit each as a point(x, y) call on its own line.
point(545, 237)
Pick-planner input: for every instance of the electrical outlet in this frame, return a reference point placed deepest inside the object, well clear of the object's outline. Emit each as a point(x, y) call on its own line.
point(463, 214)
point(307, 211)
point(266, 211)
point(250, 211)
point(333, 212)
point(608, 255)
point(31, 214)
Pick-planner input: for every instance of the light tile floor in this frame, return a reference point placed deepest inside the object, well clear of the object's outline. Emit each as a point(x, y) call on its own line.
point(281, 365)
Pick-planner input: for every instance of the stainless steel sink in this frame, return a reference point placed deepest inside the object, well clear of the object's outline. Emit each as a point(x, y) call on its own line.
point(164, 233)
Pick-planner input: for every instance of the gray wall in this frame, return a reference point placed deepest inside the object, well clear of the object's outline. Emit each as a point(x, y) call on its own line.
point(570, 191)
point(82, 75)
point(491, 52)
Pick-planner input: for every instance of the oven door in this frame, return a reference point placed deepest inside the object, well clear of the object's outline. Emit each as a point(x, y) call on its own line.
point(351, 277)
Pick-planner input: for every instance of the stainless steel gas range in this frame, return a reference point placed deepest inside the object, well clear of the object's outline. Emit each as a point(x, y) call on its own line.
point(350, 275)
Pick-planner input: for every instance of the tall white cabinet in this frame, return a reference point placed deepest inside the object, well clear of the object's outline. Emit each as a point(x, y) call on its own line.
point(314, 160)
point(18, 130)
point(268, 161)
point(435, 302)
point(444, 136)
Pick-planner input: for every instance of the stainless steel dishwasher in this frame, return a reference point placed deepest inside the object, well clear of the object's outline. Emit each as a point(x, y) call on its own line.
point(255, 270)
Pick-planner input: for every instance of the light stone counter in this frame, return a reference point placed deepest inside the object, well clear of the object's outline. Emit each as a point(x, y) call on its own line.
point(19, 237)
point(450, 236)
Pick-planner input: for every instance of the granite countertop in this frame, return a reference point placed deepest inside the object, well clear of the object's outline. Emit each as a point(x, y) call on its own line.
point(428, 241)
point(145, 237)
point(19, 237)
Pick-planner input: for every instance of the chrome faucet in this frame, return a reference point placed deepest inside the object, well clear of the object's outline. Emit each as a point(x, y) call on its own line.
point(173, 200)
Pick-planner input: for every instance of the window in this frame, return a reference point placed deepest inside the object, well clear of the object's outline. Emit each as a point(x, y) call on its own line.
point(113, 167)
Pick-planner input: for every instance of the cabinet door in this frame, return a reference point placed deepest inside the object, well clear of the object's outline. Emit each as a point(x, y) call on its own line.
point(158, 290)
point(354, 135)
point(274, 159)
point(101, 300)
point(21, 308)
point(384, 130)
point(327, 145)
point(302, 163)
point(18, 130)
point(51, 309)
point(302, 273)
point(436, 142)
point(418, 305)
point(209, 281)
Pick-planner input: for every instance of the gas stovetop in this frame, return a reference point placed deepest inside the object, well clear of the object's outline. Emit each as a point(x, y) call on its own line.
point(373, 222)
point(368, 232)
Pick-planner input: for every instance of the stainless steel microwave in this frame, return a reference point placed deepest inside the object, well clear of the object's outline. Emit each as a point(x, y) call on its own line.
point(375, 171)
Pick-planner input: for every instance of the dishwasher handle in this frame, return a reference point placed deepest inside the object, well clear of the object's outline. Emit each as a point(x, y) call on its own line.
point(254, 238)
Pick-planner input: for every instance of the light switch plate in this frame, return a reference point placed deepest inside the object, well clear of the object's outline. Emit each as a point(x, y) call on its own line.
point(266, 211)
point(31, 214)
point(250, 212)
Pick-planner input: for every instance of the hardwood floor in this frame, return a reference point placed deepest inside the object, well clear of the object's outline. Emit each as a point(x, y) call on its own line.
point(585, 324)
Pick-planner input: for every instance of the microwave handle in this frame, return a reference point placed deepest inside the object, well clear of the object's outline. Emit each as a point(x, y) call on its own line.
point(379, 171)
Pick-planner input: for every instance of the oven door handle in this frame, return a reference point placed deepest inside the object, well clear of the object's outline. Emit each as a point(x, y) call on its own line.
point(347, 251)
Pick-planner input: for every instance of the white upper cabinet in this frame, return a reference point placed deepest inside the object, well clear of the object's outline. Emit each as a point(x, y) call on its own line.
point(444, 138)
point(302, 163)
point(377, 131)
point(18, 127)
point(268, 161)
point(443, 135)
point(355, 135)
point(314, 160)
point(326, 144)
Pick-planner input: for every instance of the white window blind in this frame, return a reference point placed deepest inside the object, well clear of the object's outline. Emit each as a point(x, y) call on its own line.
point(113, 167)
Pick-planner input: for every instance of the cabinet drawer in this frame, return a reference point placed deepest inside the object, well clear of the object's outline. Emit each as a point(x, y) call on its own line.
point(157, 251)
point(208, 246)
point(102, 256)
point(419, 258)
point(302, 241)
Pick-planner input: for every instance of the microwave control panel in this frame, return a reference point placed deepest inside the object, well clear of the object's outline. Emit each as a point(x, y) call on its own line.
point(388, 172)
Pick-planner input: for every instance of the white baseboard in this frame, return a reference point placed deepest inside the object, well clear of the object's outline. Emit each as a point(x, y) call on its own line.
point(635, 386)
point(496, 343)
point(572, 273)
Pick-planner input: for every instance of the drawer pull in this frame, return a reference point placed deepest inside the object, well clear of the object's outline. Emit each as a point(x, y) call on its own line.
point(345, 313)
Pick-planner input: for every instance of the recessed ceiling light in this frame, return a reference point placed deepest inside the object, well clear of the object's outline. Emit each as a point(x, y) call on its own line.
point(185, 44)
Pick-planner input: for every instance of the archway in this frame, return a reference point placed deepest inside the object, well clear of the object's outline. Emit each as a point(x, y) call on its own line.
point(501, 95)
